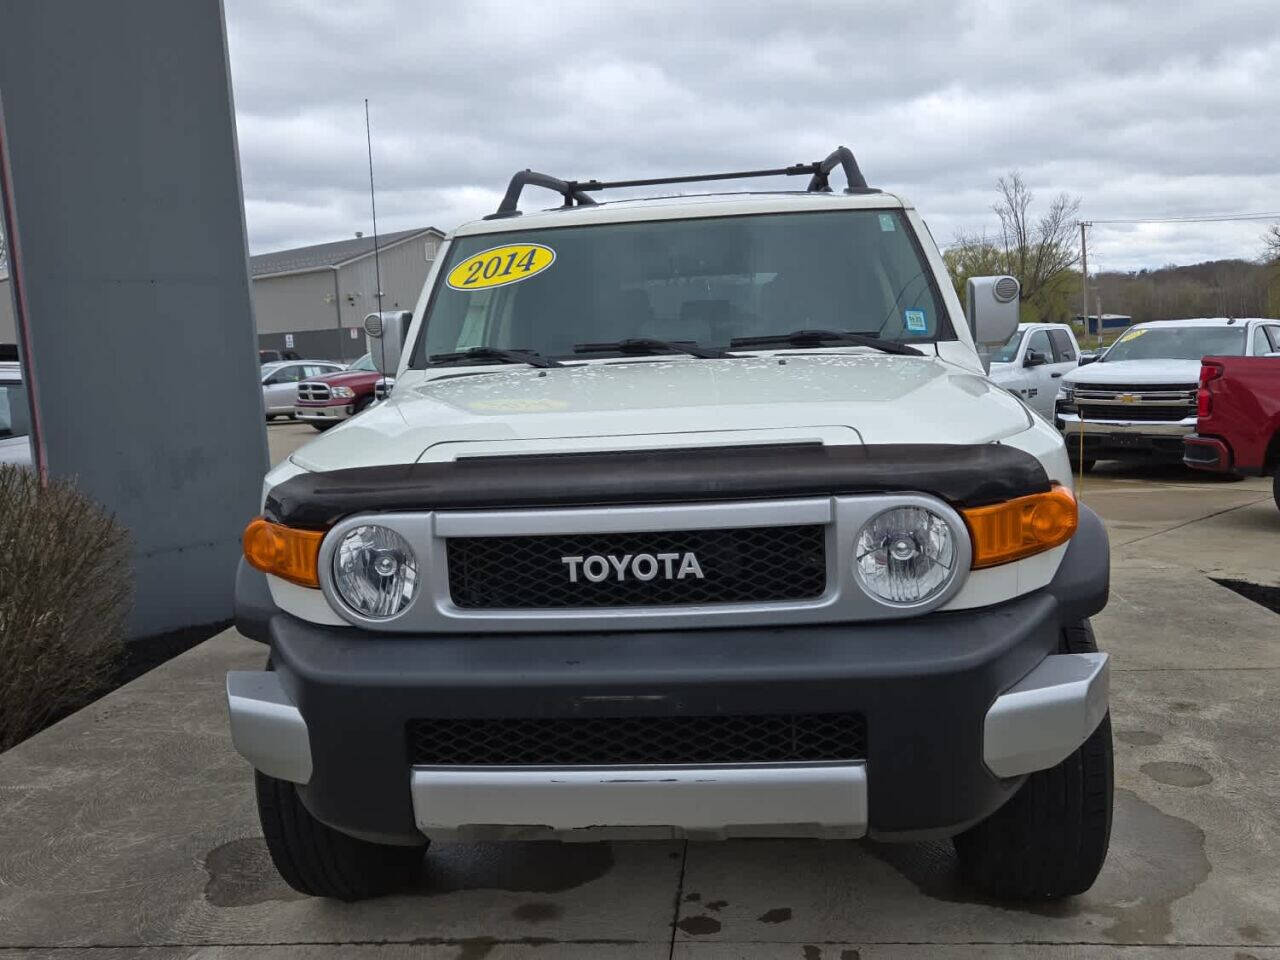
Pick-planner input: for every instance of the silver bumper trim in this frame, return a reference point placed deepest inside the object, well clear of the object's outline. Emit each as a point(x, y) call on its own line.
point(793, 799)
point(1072, 426)
point(266, 728)
point(1046, 715)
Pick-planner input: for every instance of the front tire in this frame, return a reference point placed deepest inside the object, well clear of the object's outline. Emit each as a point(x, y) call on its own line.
point(323, 425)
point(1275, 487)
point(1050, 839)
point(319, 861)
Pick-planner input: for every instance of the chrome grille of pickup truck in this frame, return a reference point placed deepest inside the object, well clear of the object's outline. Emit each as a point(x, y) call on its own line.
point(738, 565)
point(313, 392)
point(1146, 403)
point(604, 741)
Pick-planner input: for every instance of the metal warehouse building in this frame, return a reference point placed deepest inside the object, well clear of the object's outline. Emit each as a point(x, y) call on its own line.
point(312, 300)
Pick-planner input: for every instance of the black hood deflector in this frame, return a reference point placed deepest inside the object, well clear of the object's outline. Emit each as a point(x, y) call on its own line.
point(963, 475)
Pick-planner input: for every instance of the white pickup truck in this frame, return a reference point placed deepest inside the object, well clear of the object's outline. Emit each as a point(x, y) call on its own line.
point(1033, 361)
point(1138, 401)
point(688, 516)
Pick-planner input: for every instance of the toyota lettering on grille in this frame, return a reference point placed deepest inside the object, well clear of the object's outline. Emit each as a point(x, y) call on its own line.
point(641, 566)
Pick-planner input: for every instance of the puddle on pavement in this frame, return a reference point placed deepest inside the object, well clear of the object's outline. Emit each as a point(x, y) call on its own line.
point(1175, 774)
point(529, 867)
point(241, 874)
point(1155, 860)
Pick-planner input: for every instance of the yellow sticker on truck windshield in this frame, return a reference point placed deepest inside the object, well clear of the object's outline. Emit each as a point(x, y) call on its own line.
point(501, 265)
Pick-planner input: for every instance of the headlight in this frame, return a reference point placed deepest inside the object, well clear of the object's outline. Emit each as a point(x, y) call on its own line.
point(375, 571)
point(342, 393)
point(905, 555)
point(1067, 393)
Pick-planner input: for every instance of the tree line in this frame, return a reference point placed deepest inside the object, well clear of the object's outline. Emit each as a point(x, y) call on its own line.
point(1043, 252)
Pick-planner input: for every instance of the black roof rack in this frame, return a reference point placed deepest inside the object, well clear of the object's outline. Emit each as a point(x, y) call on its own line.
point(577, 191)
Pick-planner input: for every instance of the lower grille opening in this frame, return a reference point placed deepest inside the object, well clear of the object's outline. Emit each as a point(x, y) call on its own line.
point(602, 741)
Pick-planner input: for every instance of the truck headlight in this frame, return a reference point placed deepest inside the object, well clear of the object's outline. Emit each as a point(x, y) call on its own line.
point(342, 393)
point(905, 555)
point(375, 571)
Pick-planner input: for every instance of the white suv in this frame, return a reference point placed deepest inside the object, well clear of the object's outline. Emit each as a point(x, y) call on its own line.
point(690, 516)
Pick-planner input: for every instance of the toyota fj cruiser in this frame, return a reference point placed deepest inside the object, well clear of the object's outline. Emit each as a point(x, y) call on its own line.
point(688, 516)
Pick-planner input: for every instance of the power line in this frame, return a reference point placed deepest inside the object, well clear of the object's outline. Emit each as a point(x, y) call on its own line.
point(1216, 218)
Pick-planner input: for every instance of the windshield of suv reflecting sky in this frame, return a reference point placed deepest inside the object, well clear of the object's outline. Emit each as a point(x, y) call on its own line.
point(1009, 352)
point(703, 280)
point(14, 416)
point(1177, 343)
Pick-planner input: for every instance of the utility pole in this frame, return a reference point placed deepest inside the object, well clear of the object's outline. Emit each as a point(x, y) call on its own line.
point(1084, 278)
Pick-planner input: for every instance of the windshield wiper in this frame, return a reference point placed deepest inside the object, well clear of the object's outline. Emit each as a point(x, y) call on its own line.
point(640, 346)
point(495, 354)
point(818, 338)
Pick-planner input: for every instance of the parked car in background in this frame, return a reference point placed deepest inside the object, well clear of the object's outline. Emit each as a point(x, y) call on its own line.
point(325, 401)
point(15, 426)
point(1138, 401)
point(275, 356)
point(280, 383)
point(1238, 418)
point(1033, 361)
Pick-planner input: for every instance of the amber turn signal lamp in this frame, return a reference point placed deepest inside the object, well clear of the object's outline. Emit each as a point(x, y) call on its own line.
point(283, 551)
point(1004, 532)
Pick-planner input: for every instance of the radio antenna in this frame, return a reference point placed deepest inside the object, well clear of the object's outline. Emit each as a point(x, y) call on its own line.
point(373, 209)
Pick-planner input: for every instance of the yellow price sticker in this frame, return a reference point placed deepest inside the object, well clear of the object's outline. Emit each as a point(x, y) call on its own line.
point(1132, 335)
point(499, 266)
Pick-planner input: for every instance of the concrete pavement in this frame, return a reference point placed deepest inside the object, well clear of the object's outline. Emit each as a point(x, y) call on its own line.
point(128, 829)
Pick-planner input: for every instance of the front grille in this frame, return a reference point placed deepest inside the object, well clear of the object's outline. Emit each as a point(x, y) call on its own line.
point(605, 741)
point(1138, 412)
point(745, 565)
point(1111, 389)
point(313, 392)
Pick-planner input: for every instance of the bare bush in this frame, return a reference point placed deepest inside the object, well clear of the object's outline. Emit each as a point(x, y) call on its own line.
point(65, 591)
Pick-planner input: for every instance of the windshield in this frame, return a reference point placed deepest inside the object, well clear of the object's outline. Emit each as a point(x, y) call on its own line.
point(364, 363)
point(1009, 352)
point(14, 417)
point(1176, 343)
point(706, 281)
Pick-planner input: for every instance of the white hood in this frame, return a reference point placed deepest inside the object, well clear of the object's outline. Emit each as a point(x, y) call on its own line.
point(834, 398)
point(1136, 372)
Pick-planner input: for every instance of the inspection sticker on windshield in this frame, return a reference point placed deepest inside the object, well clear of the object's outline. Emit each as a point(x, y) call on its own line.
point(915, 321)
point(886, 223)
point(498, 266)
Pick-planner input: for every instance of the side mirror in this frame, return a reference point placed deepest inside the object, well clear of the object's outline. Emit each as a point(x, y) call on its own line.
point(384, 335)
point(1090, 358)
point(1034, 358)
point(991, 307)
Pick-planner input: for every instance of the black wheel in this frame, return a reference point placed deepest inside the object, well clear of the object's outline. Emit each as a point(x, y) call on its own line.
point(1275, 487)
point(319, 861)
point(1051, 838)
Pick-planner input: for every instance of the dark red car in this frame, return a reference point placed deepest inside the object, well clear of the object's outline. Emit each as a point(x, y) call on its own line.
point(1238, 418)
point(326, 401)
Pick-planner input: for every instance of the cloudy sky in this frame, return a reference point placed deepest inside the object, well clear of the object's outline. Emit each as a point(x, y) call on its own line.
point(1143, 109)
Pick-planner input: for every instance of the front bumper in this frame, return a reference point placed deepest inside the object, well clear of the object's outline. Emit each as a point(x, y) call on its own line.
point(332, 414)
point(958, 707)
point(1122, 439)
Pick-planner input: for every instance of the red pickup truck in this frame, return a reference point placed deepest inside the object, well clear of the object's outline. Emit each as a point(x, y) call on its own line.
point(326, 401)
point(1238, 418)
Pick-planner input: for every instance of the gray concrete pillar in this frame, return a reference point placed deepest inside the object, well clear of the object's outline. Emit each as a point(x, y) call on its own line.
point(127, 250)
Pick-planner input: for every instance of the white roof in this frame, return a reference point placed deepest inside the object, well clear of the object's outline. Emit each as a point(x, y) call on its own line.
point(1198, 322)
point(680, 207)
